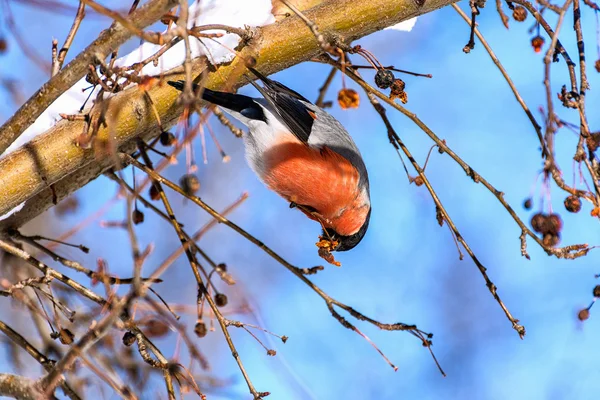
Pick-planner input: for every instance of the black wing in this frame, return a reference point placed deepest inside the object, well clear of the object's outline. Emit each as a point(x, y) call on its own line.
point(287, 103)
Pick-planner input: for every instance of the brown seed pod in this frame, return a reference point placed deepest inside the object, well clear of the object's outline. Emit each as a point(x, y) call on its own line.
point(418, 181)
point(398, 91)
point(528, 203)
point(538, 221)
point(154, 193)
point(551, 239)
point(384, 78)
point(200, 329)
point(137, 217)
point(3, 45)
point(66, 336)
point(553, 224)
point(221, 300)
point(596, 291)
point(91, 78)
point(537, 42)
point(593, 141)
point(398, 85)
point(128, 338)
point(348, 98)
point(597, 65)
point(583, 314)
point(222, 267)
point(156, 328)
point(190, 184)
point(520, 13)
point(573, 204)
point(167, 138)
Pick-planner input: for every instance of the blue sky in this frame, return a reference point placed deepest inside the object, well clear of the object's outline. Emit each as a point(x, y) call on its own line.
point(407, 268)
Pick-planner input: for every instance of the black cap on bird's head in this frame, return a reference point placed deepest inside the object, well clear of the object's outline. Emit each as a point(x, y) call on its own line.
point(350, 241)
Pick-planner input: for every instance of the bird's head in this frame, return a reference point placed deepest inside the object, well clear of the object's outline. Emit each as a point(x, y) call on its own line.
point(348, 242)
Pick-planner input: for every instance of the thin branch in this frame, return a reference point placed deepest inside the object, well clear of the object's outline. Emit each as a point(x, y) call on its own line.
point(569, 252)
point(62, 54)
point(299, 273)
point(536, 126)
point(45, 362)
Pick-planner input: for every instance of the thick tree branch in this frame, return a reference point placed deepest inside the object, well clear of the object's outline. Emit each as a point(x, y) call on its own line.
point(108, 41)
point(19, 387)
point(54, 158)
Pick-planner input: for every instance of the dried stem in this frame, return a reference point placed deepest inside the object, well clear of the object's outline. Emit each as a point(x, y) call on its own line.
point(62, 54)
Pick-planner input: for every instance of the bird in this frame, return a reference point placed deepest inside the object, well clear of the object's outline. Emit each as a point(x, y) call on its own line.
point(303, 154)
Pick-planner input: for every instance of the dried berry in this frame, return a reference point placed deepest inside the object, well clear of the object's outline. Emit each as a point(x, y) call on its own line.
point(137, 216)
point(384, 78)
point(538, 221)
point(593, 142)
point(271, 352)
point(537, 43)
point(220, 300)
point(90, 78)
point(67, 206)
point(156, 328)
point(573, 204)
point(222, 267)
point(520, 13)
point(66, 336)
point(128, 338)
point(553, 224)
point(528, 203)
point(398, 91)
point(596, 291)
point(418, 181)
point(200, 329)
point(189, 184)
point(597, 65)
point(167, 138)
point(583, 314)
point(551, 239)
point(348, 98)
point(154, 193)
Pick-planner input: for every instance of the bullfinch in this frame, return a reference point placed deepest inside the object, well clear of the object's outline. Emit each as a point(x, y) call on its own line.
point(303, 154)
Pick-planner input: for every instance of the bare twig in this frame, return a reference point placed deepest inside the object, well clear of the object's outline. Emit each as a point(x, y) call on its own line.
point(536, 126)
point(46, 363)
point(299, 273)
point(62, 54)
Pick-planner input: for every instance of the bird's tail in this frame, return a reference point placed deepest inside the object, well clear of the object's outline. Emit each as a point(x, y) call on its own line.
point(238, 103)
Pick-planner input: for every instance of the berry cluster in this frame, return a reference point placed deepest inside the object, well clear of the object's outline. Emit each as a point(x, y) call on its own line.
point(549, 226)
